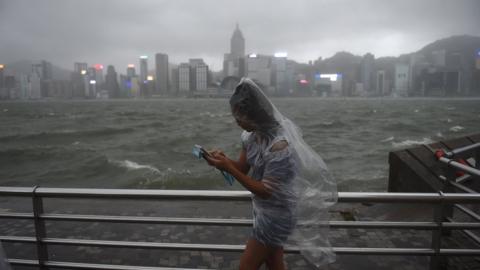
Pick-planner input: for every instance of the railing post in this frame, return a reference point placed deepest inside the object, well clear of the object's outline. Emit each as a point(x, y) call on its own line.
point(437, 261)
point(40, 232)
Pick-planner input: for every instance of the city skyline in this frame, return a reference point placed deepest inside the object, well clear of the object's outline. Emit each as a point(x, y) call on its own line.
point(306, 30)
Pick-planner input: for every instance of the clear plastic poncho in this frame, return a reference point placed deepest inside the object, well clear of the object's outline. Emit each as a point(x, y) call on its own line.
point(301, 187)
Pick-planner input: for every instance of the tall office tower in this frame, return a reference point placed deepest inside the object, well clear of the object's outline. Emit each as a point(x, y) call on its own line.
point(184, 77)
point(131, 71)
point(161, 72)
point(279, 69)
point(111, 83)
point(198, 75)
point(237, 43)
point(367, 67)
point(2, 69)
point(99, 74)
point(47, 70)
point(143, 68)
point(231, 61)
point(79, 67)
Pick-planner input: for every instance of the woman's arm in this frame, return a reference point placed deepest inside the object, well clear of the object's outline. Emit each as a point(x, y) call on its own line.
point(221, 162)
point(241, 164)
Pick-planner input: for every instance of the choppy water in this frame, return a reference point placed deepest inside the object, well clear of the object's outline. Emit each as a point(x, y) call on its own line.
point(147, 143)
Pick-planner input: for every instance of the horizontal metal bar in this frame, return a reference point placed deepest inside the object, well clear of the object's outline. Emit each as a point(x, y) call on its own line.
point(383, 225)
point(72, 265)
point(460, 150)
point(461, 225)
point(236, 195)
point(69, 265)
point(239, 248)
point(16, 215)
point(144, 194)
point(155, 220)
point(18, 239)
point(152, 245)
point(231, 222)
point(468, 212)
point(383, 251)
point(459, 252)
point(460, 166)
point(16, 191)
point(23, 262)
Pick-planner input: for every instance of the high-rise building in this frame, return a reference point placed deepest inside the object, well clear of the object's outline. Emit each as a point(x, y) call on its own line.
point(237, 43)
point(47, 70)
point(279, 66)
point(367, 67)
point(259, 69)
point(99, 73)
point(162, 74)
point(131, 71)
point(402, 72)
point(184, 77)
point(143, 68)
point(231, 61)
point(79, 67)
point(199, 74)
point(111, 83)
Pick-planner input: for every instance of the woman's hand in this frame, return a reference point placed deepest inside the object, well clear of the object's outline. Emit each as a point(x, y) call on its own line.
point(220, 161)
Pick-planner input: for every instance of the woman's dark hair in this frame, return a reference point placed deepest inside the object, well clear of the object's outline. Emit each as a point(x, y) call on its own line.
point(249, 101)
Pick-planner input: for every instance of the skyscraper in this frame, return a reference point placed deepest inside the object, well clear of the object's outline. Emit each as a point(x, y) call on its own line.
point(231, 61)
point(131, 71)
point(143, 68)
point(198, 74)
point(366, 73)
point(111, 83)
point(184, 77)
point(99, 73)
point(161, 72)
point(78, 67)
point(237, 43)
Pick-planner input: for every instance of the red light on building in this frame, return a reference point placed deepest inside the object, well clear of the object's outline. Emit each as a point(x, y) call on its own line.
point(98, 66)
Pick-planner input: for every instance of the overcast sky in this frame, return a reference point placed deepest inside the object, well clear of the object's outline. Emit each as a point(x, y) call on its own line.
point(119, 31)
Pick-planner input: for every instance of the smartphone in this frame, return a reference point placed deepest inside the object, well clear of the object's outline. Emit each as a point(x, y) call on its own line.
point(200, 152)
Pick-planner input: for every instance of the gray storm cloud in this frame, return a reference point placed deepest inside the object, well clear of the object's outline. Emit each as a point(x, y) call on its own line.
point(117, 32)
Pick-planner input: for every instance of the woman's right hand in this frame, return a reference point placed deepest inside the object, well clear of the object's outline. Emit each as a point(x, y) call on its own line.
point(214, 154)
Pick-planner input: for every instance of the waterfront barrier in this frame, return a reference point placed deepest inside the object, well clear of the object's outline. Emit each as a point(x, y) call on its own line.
point(438, 226)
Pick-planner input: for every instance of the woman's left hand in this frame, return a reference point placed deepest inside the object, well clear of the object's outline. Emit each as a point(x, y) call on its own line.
point(220, 162)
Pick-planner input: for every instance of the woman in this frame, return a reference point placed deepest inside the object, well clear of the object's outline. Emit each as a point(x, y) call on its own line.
point(289, 182)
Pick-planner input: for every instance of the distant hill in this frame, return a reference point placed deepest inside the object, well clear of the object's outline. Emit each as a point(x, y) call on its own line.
point(25, 67)
point(465, 44)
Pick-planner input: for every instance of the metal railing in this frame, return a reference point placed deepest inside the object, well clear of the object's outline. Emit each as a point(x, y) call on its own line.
point(438, 225)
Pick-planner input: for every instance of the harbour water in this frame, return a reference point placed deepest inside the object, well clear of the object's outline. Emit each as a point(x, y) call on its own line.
point(148, 143)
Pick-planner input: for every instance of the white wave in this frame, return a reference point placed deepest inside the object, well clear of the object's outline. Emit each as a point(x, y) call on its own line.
point(416, 110)
point(450, 108)
point(411, 142)
point(131, 165)
point(456, 128)
point(439, 134)
point(389, 139)
point(449, 120)
point(76, 143)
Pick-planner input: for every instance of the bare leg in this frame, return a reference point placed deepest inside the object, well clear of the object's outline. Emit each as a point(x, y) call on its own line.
point(275, 259)
point(254, 255)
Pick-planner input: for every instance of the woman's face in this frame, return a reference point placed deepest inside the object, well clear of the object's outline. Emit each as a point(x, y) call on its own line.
point(244, 122)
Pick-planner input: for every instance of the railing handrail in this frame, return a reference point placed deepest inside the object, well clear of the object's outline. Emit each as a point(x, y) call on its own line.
point(231, 195)
point(38, 194)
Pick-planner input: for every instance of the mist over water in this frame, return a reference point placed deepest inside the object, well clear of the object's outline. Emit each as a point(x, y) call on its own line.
point(148, 143)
